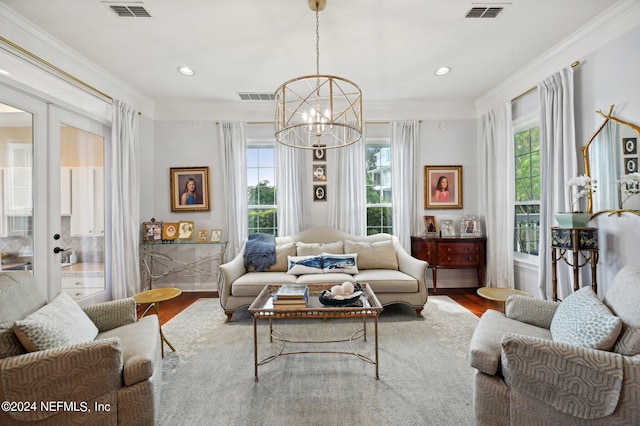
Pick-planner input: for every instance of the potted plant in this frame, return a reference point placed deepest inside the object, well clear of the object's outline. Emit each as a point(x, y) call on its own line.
point(579, 187)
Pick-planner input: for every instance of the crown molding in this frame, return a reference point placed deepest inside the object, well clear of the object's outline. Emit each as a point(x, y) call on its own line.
point(611, 24)
point(34, 40)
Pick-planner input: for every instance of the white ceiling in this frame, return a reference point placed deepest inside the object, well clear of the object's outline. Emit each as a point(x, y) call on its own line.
point(389, 48)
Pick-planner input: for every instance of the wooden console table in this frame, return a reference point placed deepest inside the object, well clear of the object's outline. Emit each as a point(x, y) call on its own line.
point(579, 241)
point(451, 253)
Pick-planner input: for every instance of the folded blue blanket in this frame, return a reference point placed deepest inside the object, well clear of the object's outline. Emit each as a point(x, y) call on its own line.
point(260, 251)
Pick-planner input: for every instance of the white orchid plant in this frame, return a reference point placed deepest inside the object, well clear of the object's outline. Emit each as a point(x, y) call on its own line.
point(628, 184)
point(579, 187)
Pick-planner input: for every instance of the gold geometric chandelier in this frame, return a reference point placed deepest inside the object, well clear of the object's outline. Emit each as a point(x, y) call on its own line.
point(318, 110)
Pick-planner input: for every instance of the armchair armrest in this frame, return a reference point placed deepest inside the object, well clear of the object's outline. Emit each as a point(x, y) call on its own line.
point(230, 272)
point(109, 315)
point(583, 383)
point(531, 311)
point(67, 373)
point(410, 265)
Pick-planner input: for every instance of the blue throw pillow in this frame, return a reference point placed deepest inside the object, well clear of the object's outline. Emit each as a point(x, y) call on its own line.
point(340, 263)
point(300, 265)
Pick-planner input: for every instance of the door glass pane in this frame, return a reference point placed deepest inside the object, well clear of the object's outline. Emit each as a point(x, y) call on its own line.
point(16, 188)
point(82, 212)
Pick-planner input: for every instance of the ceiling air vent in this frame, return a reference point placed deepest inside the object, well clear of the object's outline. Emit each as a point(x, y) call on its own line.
point(128, 9)
point(486, 11)
point(253, 96)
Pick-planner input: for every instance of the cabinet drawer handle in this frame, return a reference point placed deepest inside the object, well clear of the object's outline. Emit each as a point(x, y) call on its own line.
point(448, 248)
point(78, 283)
point(448, 258)
point(469, 258)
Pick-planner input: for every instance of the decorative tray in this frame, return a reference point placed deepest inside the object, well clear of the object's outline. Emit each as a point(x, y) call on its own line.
point(328, 299)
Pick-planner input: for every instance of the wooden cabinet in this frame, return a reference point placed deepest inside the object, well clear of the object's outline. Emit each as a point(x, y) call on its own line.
point(80, 285)
point(451, 253)
point(87, 201)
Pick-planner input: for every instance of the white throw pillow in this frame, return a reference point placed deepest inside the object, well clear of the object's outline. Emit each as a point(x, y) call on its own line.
point(301, 265)
point(316, 249)
point(340, 263)
point(583, 320)
point(378, 255)
point(59, 323)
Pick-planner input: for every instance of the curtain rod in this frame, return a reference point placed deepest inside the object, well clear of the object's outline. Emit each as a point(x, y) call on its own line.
point(574, 64)
point(271, 122)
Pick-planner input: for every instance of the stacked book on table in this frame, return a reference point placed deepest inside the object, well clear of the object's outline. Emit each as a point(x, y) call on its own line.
point(291, 296)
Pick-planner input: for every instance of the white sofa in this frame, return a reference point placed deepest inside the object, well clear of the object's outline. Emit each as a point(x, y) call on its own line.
point(382, 262)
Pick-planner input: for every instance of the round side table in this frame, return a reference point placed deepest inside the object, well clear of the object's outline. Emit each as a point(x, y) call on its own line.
point(500, 294)
point(153, 298)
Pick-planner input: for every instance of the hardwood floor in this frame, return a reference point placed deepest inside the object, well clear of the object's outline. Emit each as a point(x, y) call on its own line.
point(466, 297)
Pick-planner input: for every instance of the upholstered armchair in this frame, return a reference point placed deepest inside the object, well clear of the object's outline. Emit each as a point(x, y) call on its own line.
point(57, 372)
point(568, 363)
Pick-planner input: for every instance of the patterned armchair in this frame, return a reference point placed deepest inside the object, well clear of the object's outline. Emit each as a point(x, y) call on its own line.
point(113, 378)
point(523, 376)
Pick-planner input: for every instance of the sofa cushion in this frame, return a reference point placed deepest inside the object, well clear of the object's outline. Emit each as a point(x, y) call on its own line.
point(330, 278)
point(61, 322)
point(283, 251)
point(251, 283)
point(377, 255)
point(583, 320)
point(388, 281)
point(485, 346)
point(19, 296)
point(300, 265)
point(622, 298)
point(140, 345)
point(314, 249)
point(342, 263)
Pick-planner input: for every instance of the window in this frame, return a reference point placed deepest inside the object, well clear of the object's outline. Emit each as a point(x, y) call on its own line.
point(378, 178)
point(527, 189)
point(261, 189)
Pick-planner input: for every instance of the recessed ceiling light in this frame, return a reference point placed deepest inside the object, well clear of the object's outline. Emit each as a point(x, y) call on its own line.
point(185, 70)
point(5, 73)
point(442, 71)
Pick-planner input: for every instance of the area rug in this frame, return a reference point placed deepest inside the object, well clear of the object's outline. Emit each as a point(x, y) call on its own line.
point(425, 378)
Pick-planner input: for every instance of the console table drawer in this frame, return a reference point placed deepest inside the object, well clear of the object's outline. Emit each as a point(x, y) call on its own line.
point(461, 248)
point(458, 259)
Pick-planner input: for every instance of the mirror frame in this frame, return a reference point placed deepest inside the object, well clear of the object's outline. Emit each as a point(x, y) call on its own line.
point(587, 169)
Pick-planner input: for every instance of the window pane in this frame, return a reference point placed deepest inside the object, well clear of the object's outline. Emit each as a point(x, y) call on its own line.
point(527, 229)
point(527, 191)
point(378, 185)
point(261, 190)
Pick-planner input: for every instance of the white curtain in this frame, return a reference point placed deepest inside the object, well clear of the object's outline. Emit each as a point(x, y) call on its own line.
point(233, 149)
point(558, 164)
point(293, 189)
point(346, 196)
point(498, 175)
point(125, 202)
point(606, 164)
point(405, 139)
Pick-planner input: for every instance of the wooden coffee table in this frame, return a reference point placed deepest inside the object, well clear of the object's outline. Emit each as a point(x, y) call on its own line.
point(499, 294)
point(153, 298)
point(262, 309)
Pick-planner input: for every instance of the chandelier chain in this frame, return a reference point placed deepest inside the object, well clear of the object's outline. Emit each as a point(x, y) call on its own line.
point(317, 39)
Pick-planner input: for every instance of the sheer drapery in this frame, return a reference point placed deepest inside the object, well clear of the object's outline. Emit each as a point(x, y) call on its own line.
point(606, 163)
point(347, 193)
point(125, 202)
point(292, 189)
point(559, 163)
point(498, 175)
point(405, 137)
point(233, 150)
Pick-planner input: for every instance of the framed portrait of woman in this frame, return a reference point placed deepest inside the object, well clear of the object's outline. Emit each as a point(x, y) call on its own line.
point(189, 189)
point(442, 187)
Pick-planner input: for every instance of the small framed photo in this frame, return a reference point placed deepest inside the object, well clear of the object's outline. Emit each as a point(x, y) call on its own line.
point(319, 153)
point(629, 146)
point(170, 231)
point(447, 228)
point(152, 231)
point(319, 172)
point(470, 227)
point(189, 189)
point(203, 235)
point(430, 225)
point(319, 192)
point(442, 187)
point(630, 165)
point(185, 230)
point(216, 235)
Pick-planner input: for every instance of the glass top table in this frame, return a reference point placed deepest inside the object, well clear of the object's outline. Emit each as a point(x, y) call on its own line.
point(262, 309)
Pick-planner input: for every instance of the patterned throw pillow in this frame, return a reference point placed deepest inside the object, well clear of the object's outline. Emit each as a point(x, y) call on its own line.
point(342, 263)
point(300, 265)
point(583, 320)
point(59, 323)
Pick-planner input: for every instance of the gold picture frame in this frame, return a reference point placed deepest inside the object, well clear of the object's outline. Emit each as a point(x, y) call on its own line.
point(430, 225)
point(185, 230)
point(216, 235)
point(189, 189)
point(170, 231)
point(203, 235)
point(442, 187)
